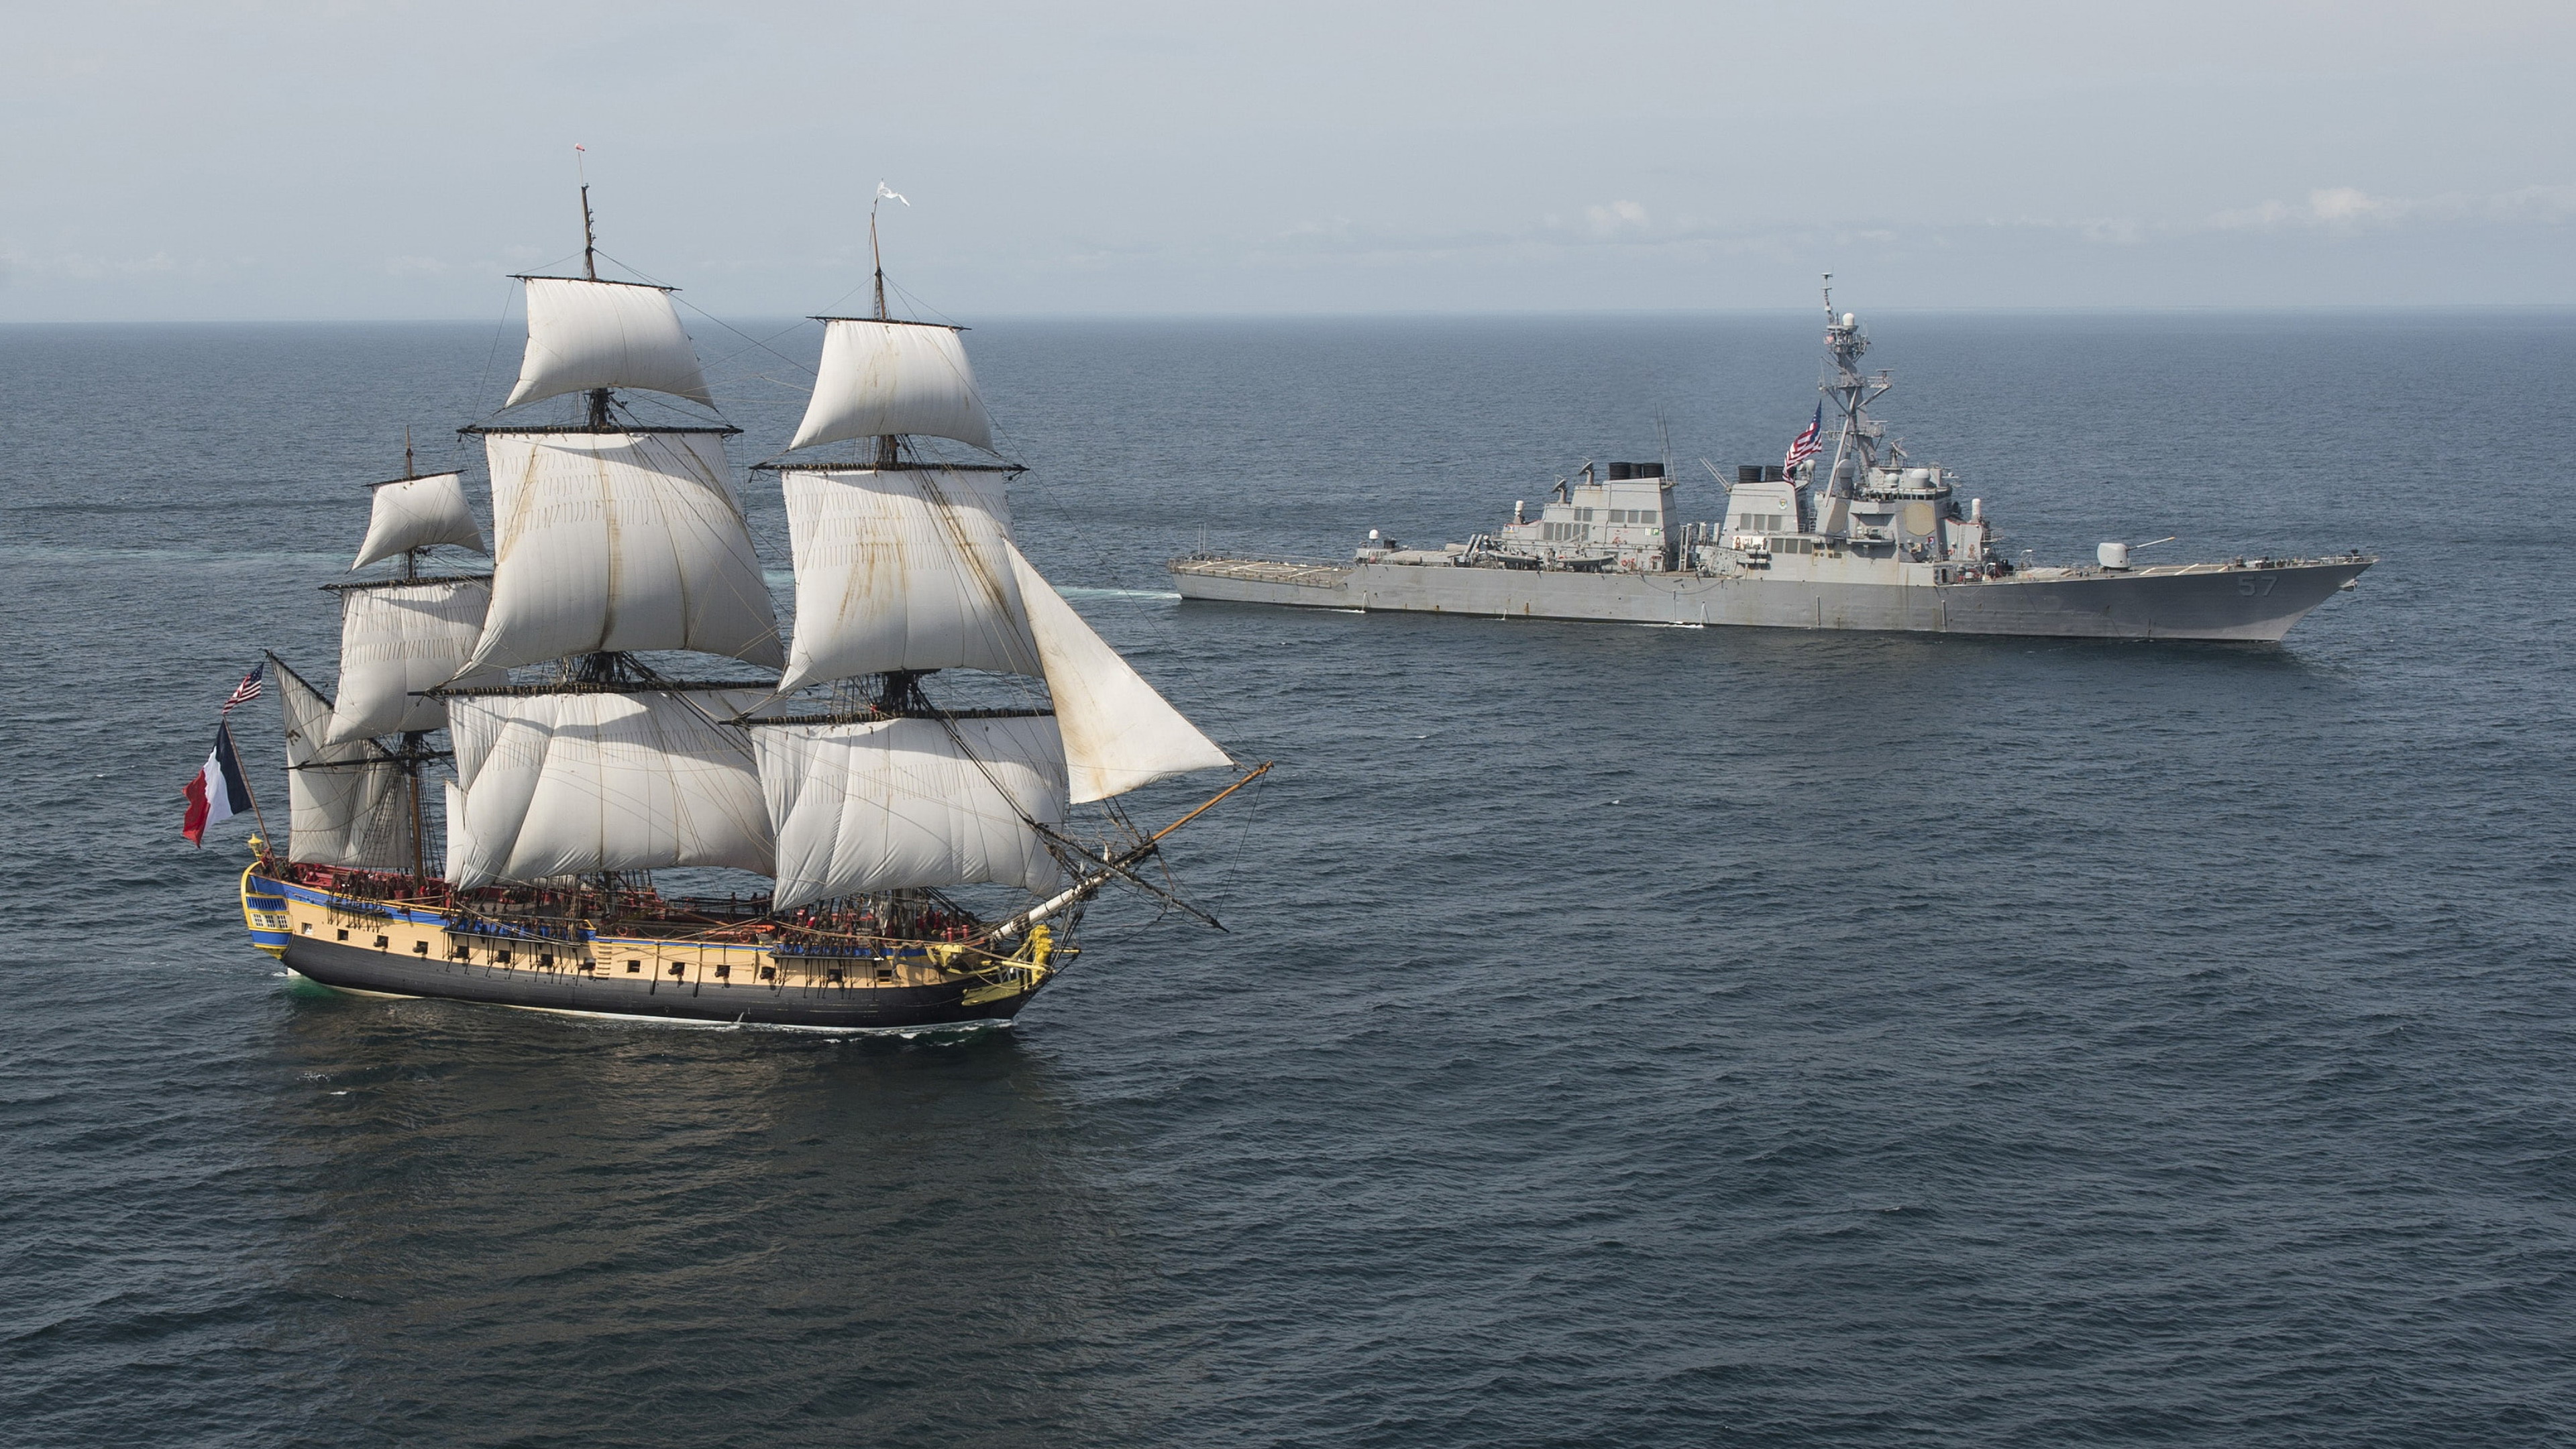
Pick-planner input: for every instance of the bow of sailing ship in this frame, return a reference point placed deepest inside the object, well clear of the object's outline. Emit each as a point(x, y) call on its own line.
point(868, 789)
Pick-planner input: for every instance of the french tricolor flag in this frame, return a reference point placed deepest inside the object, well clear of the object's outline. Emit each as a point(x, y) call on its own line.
point(220, 791)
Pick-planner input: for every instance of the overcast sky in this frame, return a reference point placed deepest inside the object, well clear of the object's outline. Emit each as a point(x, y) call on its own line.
point(352, 160)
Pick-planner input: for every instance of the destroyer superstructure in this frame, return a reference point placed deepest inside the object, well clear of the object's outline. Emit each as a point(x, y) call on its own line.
point(581, 765)
point(1871, 539)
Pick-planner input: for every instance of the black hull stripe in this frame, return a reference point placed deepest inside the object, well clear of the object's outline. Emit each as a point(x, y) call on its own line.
point(847, 1007)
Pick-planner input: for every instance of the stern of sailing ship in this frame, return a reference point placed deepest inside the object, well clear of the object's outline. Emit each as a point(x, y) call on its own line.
point(713, 962)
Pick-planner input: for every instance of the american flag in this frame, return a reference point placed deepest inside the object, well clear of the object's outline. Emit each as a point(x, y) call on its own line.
point(249, 689)
point(1806, 445)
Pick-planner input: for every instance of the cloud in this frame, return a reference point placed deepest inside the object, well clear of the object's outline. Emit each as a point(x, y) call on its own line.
point(2343, 208)
point(81, 266)
point(2534, 203)
point(2349, 208)
point(1617, 217)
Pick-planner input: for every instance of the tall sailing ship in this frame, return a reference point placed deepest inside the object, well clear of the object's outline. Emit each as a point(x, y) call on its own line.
point(584, 757)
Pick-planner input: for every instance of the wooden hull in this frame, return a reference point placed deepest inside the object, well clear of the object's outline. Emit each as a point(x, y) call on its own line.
point(403, 949)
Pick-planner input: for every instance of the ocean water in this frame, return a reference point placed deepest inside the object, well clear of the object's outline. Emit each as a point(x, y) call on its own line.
point(1624, 1036)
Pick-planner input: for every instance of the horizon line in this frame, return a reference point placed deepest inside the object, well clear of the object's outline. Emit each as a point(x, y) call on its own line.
point(2290, 309)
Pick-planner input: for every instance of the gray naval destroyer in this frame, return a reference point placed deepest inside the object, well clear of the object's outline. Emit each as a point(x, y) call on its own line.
point(1874, 541)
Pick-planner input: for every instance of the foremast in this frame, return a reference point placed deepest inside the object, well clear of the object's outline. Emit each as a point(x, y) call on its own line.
point(613, 537)
point(906, 567)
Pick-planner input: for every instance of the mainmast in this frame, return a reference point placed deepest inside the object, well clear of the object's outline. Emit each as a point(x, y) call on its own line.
point(613, 539)
point(1856, 442)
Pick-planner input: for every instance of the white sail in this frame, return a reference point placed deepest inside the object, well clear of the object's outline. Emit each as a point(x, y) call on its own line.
point(584, 334)
point(411, 513)
point(1119, 732)
point(902, 569)
point(460, 846)
point(619, 541)
point(897, 803)
point(563, 784)
point(356, 810)
point(404, 637)
point(879, 378)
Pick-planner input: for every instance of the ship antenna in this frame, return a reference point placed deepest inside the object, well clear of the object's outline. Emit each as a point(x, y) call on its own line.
point(407, 468)
point(1829, 299)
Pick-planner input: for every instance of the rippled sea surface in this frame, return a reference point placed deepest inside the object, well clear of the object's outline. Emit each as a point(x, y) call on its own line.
point(1626, 1036)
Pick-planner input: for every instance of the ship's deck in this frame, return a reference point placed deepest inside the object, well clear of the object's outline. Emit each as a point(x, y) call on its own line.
point(1316, 573)
point(1311, 572)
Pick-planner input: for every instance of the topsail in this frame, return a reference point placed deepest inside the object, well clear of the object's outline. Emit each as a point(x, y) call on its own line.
point(410, 513)
point(399, 638)
point(902, 569)
point(619, 541)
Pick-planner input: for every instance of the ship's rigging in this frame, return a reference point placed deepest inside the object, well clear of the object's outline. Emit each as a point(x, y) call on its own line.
point(844, 777)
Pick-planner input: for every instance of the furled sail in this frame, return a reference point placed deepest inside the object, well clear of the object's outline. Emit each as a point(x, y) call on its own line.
point(1119, 732)
point(397, 638)
point(880, 378)
point(584, 334)
point(563, 784)
point(898, 803)
point(411, 513)
point(902, 569)
point(348, 804)
point(619, 541)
